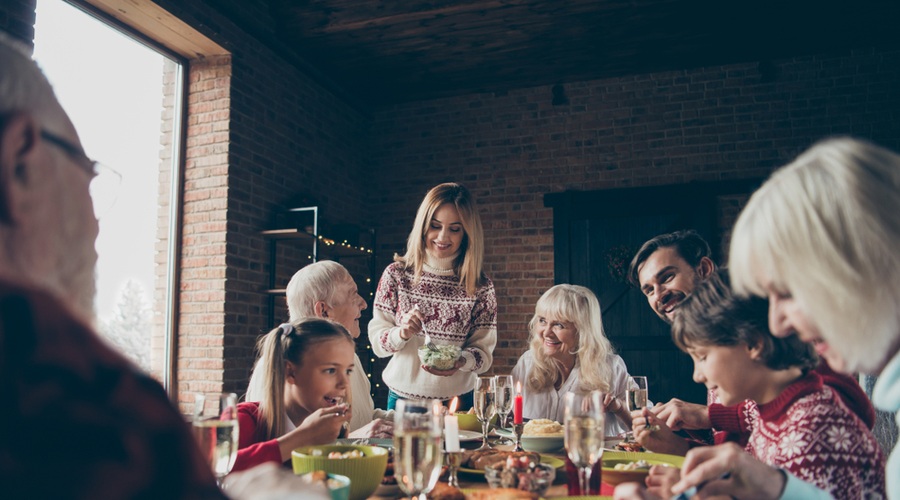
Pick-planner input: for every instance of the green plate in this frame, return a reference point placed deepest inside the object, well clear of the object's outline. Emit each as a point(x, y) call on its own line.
point(551, 461)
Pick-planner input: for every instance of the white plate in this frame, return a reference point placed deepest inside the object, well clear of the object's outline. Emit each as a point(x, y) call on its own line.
point(465, 435)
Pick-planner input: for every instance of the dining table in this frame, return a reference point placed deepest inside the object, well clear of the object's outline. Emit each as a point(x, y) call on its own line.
point(475, 481)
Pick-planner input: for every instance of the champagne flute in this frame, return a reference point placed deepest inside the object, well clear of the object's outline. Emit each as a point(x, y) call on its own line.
point(484, 406)
point(215, 426)
point(417, 445)
point(503, 400)
point(584, 422)
point(637, 395)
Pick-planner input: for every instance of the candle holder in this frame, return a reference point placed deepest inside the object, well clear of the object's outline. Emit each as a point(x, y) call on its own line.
point(454, 458)
point(517, 430)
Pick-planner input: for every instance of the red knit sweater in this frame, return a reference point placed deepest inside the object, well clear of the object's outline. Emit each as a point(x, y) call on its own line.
point(726, 419)
point(808, 431)
point(253, 447)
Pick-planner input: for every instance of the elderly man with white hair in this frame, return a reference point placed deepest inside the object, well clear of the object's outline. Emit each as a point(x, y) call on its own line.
point(325, 289)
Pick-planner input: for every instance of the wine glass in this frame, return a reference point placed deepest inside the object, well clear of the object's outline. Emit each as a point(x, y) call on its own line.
point(484, 406)
point(584, 421)
point(503, 400)
point(417, 445)
point(215, 426)
point(637, 393)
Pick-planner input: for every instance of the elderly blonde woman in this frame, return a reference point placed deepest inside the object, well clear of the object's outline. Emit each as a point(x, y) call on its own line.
point(820, 239)
point(569, 352)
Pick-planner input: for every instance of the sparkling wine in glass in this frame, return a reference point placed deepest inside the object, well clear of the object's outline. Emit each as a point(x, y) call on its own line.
point(484, 406)
point(417, 445)
point(215, 427)
point(584, 422)
point(503, 400)
point(637, 394)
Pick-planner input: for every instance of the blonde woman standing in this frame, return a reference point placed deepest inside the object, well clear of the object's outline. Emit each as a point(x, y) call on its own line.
point(569, 352)
point(438, 286)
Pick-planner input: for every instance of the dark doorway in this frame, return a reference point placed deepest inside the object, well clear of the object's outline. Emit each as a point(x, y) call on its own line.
point(596, 234)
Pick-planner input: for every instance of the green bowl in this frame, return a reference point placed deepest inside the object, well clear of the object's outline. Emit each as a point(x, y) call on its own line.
point(365, 473)
point(469, 422)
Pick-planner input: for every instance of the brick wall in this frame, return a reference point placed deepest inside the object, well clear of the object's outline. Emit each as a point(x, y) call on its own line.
point(712, 123)
point(291, 139)
point(279, 138)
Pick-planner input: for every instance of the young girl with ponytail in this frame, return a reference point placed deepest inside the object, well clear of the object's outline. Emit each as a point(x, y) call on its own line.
point(299, 391)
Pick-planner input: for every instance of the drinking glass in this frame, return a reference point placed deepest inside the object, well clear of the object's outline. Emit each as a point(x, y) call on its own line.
point(215, 426)
point(583, 420)
point(417, 445)
point(637, 393)
point(484, 406)
point(503, 400)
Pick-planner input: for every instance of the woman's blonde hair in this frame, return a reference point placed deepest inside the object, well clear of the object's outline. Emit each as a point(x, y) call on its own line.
point(288, 342)
point(579, 306)
point(826, 229)
point(468, 266)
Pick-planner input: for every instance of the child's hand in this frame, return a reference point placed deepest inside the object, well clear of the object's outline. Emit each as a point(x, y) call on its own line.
point(661, 479)
point(325, 423)
point(680, 414)
point(653, 434)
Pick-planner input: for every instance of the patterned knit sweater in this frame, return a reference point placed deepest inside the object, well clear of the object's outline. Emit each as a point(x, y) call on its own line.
point(451, 317)
point(808, 431)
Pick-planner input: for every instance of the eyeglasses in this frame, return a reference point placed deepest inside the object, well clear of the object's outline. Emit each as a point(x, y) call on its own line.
point(105, 181)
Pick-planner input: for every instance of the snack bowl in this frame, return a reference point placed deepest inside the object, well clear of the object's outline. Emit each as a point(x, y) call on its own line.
point(442, 359)
point(469, 421)
point(537, 478)
point(612, 476)
point(539, 444)
point(365, 472)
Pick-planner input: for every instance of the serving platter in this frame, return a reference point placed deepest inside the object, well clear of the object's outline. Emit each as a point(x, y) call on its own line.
point(551, 461)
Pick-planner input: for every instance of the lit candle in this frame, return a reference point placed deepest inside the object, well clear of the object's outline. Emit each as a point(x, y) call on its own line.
point(451, 432)
point(517, 406)
point(454, 404)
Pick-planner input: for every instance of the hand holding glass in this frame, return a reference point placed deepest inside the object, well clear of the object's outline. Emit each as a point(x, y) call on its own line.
point(215, 427)
point(584, 430)
point(637, 395)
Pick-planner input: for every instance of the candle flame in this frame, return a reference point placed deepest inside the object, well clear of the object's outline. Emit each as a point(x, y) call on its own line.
point(454, 404)
point(519, 387)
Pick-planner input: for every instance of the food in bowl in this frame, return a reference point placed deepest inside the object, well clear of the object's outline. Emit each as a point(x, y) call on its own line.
point(632, 446)
point(520, 473)
point(365, 472)
point(639, 465)
point(480, 459)
point(542, 427)
point(442, 358)
point(338, 454)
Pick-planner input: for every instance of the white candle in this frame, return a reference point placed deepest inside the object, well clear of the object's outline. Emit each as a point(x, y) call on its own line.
point(451, 433)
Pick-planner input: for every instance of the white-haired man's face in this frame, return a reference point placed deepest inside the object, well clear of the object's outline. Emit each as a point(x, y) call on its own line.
point(348, 305)
point(52, 222)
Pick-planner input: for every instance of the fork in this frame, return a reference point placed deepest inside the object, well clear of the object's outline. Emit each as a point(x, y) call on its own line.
point(428, 343)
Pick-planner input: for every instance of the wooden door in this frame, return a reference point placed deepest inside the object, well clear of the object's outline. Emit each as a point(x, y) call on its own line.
point(595, 236)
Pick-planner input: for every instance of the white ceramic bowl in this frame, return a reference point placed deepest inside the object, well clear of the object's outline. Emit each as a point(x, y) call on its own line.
point(539, 444)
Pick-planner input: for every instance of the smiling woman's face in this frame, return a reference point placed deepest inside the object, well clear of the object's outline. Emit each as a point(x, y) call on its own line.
point(559, 338)
point(445, 232)
point(788, 317)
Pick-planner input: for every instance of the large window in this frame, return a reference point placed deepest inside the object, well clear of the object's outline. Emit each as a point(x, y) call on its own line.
point(124, 98)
